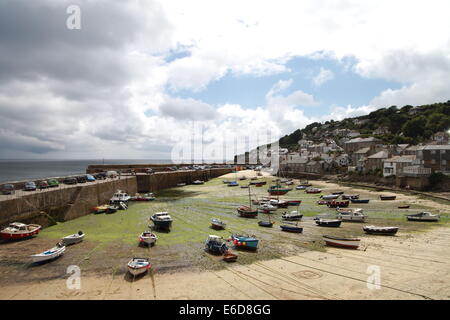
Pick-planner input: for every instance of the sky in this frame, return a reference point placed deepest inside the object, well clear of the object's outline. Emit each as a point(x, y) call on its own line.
point(143, 79)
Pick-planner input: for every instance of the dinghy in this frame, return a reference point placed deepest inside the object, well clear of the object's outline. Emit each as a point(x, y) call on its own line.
point(100, 209)
point(333, 223)
point(162, 220)
point(330, 197)
point(74, 238)
point(351, 215)
point(404, 207)
point(360, 200)
point(50, 254)
point(300, 187)
point(233, 184)
point(313, 190)
point(244, 242)
point(147, 238)
point(388, 197)
point(247, 212)
point(217, 224)
point(350, 196)
point(349, 243)
point(386, 231)
point(338, 204)
point(228, 256)
point(198, 182)
point(291, 228)
point(265, 224)
point(138, 266)
point(265, 207)
point(423, 216)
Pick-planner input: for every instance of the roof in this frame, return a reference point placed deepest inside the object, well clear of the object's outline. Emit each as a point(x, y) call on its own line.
point(363, 150)
point(437, 147)
point(401, 159)
point(379, 155)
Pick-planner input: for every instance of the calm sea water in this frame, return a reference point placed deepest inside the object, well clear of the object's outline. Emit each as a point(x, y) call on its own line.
point(18, 170)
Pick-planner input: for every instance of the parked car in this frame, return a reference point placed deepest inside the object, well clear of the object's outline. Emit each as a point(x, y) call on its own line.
point(149, 170)
point(100, 176)
point(52, 183)
point(70, 181)
point(43, 184)
point(30, 186)
point(8, 189)
point(81, 179)
point(90, 178)
point(112, 174)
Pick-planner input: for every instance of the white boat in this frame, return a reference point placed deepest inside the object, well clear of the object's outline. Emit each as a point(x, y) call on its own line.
point(292, 216)
point(120, 196)
point(217, 224)
point(50, 254)
point(162, 220)
point(351, 215)
point(138, 266)
point(267, 207)
point(386, 231)
point(423, 216)
point(350, 243)
point(198, 182)
point(148, 238)
point(73, 238)
point(18, 230)
point(330, 197)
point(182, 184)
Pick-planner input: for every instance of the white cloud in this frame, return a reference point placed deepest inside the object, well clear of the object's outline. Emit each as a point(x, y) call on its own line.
point(323, 76)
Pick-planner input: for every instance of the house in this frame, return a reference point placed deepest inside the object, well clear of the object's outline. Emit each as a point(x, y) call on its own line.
point(357, 155)
point(343, 160)
point(435, 157)
point(394, 166)
point(358, 143)
point(314, 167)
point(375, 161)
point(381, 131)
point(441, 137)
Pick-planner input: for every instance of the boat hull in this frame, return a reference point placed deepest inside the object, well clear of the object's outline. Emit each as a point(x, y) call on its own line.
point(388, 198)
point(245, 243)
point(359, 200)
point(73, 240)
point(291, 229)
point(265, 224)
point(384, 231)
point(19, 236)
point(428, 219)
point(342, 243)
point(43, 257)
point(330, 224)
point(165, 225)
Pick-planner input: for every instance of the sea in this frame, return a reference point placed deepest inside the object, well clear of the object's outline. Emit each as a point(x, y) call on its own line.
point(20, 170)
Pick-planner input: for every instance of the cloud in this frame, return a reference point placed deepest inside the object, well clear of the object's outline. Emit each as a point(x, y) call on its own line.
point(190, 109)
point(323, 76)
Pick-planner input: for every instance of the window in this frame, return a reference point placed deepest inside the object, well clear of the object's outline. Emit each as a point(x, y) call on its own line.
point(433, 161)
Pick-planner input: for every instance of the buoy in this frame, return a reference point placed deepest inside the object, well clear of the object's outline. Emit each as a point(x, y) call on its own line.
point(244, 243)
point(239, 243)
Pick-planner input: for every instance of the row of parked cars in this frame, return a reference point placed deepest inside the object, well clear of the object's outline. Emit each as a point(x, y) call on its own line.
point(8, 189)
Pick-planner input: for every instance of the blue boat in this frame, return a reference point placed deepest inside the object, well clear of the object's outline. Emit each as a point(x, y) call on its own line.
point(292, 228)
point(360, 200)
point(233, 184)
point(244, 242)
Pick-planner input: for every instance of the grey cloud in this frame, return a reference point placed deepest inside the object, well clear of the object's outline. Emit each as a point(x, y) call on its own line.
point(187, 109)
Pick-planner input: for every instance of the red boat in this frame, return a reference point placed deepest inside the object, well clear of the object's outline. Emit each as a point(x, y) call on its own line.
point(247, 212)
point(322, 202)
point(313, 190)
point(17, 230)
point(340, 204)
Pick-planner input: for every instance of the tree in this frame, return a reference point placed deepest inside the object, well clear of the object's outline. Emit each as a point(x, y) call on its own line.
point(415, 127)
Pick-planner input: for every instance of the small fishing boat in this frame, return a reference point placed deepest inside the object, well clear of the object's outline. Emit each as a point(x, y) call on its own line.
point(279, 203)
point(225, 181)
point(292, 216)
point(265, 224)
point(330, 197)
point(322, 202)
point(119, 196)
point(100, 209)
point(294, 202)
point(423, 216)
point(349, 243)
point(244, 242)
point(351, 215)
point(50, 254)
point(350, 196)
point(228, 256)
point(333, 223)
point(360, 200)
point(162, 220)
point(338, 193)
point(73, 238)
point(338, 204)
point(404, 207)
point(305, 184)
point(291, 228)
point(267, 207)
point(313, 190)
point(215, 245)
point(233, 184)
point(277, 190)
point(138, 266)
point(147, 238)
point(247, 212)
point(243, 178)
point(244, 186)
point(198, 182)
point(17, 231)
point(182, 184)
point(288, 183)
point(217, 224)
point(257, 183)
point(385, 231)
point(300, 187)
point(388, 197)
point(145, 197)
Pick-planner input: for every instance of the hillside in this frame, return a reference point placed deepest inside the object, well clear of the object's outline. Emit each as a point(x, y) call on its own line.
point(392, 125)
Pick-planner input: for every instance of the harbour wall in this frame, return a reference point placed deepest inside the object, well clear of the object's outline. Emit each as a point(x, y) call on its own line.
point(70, 202)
